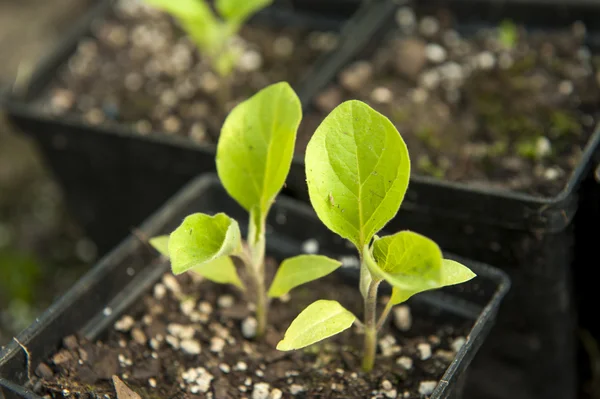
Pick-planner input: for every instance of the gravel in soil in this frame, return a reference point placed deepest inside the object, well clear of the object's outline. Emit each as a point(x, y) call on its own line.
point(501, 107)
point(139, 69)
point(192, 338)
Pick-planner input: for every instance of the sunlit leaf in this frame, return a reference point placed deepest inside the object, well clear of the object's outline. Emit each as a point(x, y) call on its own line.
point(320, 320)
point(357, 169)
point(452, 273)
point(221, 270)
point(299, 270)
point(203, 238)
point(161, 244)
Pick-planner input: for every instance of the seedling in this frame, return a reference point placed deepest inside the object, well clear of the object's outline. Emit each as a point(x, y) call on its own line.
point(357, 158)
point(213, 33)
point(254, 155)
point(508, 34)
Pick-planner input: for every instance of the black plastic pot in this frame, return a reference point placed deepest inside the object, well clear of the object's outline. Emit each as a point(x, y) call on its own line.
point(119, 279)
point(112, 177)
point(537, 240)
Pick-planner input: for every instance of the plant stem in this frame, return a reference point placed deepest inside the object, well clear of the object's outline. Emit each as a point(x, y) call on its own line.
point(370, 345)
point(257, 244)
point(384, 314)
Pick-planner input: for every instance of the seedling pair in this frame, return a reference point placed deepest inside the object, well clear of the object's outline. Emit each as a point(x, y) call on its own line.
point(213, 33)
point(358, 169)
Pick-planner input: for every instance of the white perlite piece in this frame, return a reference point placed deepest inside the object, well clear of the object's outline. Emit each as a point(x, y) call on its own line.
point(217, 344)
point(138, 336)
point(429, 26)
point(382, 95)
point(392, 393)
point(173, 341)
point(458, 343)
point(486, 60)
point(181, 331)
point(225, 301)
point(241, 366)
point(159, 291)
point(250, 61)
point(435, 53)
point(198, 378)
point(552, 174)
point(205, 307)
point(187, 306)
point(427, 387)
point(388, 346)
point(249, 326)
point(171, 283)
point(405, 361)
point(402, 317)
point(424, 351)
point(350, 261)
point(310, 246)
point(543, 147)
point(152, 382)
point(276, 394)
point(190, 346)
point(224, 368)
point(125, 324)
point(261, 391)
point(386, 385)
point(295, 389)
point(405, 18)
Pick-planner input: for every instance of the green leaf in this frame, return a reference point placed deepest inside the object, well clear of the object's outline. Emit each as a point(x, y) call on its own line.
point(299, 270)
point(452, 273)
point(161, 244)
point(188, 9)
point(357, 169)
point(256, 146)
point(237, 11)
point(203, 238)
point(321, 319)
point(221, 270)
point(407, 260)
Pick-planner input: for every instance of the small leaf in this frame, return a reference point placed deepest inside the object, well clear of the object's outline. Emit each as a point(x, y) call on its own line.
point(221, 270)
point(357, 169)
point(189, 9)
point(299, 270)
point(203, 238)
point(407, 260)
point(161, 244)
point(256, 146)
point(452, 273)
point(321, 319)
point(236, 11)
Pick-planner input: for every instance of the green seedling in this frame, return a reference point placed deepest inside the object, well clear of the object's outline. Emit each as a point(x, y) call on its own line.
point(254, 155)
point(508, 34)
point(213, 33)
point(357, 169)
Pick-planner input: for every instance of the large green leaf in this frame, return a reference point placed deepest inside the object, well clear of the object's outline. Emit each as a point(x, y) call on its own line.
point(407, 260)
point(318, 321)
point(256, 146)
point(299, 270)
point(452, 273)
point(161, 244)
point(203, 238)
point(237, 11)
point(221, 270)
point(357, 169)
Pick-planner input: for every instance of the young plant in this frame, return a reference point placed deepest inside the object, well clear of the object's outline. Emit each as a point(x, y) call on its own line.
point(357, 169)
point(213, 33)
point(254, 155)
point(508, 34)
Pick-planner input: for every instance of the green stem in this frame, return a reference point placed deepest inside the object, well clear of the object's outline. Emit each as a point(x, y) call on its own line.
point(384, 314)
point(370, 344)
point(257, 244)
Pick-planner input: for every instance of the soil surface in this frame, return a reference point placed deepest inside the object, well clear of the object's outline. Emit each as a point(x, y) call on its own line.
point(187, 339)
point(502, 107)
point(138, 68)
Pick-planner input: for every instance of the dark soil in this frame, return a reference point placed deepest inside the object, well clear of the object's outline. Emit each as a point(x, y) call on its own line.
point(139, 69)
point(147, 350)
point(501, 107)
